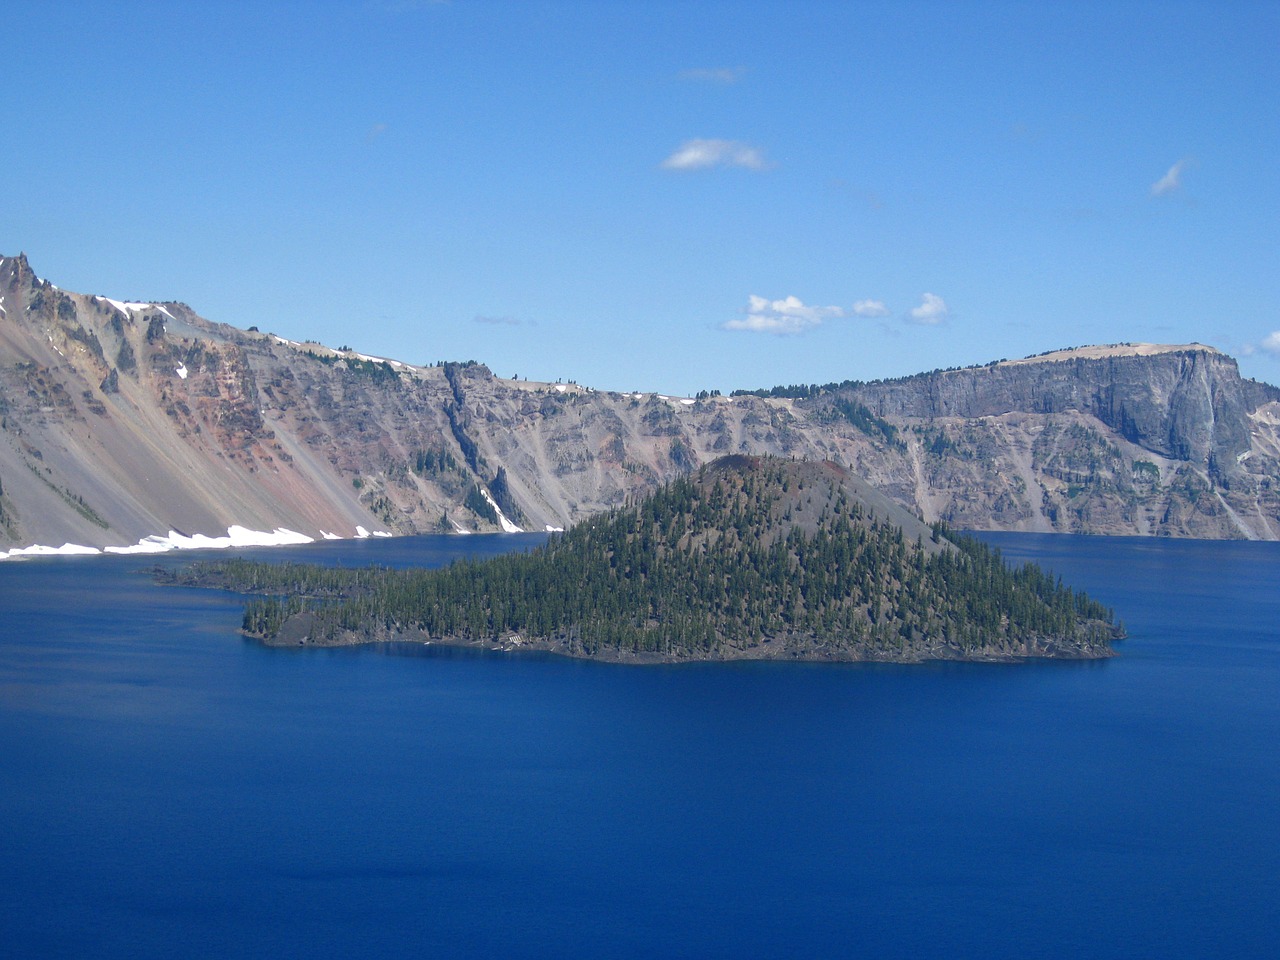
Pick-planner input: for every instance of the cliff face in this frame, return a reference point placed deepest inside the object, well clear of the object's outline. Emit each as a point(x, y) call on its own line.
point(123, 420)
point(1127, 439)
point(1184, 403)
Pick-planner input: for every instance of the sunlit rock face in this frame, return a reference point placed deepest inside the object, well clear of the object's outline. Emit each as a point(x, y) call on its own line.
point(124, 420)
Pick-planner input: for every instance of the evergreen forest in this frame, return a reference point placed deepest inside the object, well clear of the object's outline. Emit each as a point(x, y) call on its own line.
point(747, 557)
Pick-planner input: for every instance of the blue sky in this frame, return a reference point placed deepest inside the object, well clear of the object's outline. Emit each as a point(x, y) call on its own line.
point(661, 196)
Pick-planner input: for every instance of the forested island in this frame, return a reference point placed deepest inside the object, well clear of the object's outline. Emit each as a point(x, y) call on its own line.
point(749, 557)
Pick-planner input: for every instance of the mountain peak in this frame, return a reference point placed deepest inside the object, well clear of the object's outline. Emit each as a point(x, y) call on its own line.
point(803, 492)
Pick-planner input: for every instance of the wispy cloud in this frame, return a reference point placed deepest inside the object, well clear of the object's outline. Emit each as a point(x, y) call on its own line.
point(870, 308)
point(788, 315)
point(1271, 343)
point(496, 321)
point(701, 154)
point(931, 312)
point(1171, 181)
point(375, 131)
point(720, 75)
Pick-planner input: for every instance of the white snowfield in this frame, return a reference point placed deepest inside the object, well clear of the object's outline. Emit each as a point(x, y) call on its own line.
point(237, 536)
point(395, 363)
point(66, 550)
point(507, 525)
point(127, 308)
point(181, 371)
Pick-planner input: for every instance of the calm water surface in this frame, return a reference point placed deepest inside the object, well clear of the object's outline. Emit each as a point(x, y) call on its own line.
point(169, 789)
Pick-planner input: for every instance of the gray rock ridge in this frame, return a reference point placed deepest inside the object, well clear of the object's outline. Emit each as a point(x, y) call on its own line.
point(1186, 403)
point(120, 420)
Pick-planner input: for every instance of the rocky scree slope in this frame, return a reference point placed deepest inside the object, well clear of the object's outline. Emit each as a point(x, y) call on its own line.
point(120, 420)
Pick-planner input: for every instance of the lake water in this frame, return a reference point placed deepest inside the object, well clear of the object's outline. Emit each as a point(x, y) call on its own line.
point(170, 789)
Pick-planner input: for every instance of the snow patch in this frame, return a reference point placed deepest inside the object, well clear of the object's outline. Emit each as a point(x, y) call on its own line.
point(181, 371)
point(37, 550)
point(152, 544)
point(507, 525)
point(362, 533)
point(126, 307)
point(329, 536)
point(551, 529)
point(687, 402)
point(237, 536)
point(2, 309)
point(382, 533)
point(561, 388)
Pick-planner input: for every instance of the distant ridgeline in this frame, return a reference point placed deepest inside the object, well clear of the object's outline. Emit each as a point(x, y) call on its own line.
point(122, 421)
point(747, 558)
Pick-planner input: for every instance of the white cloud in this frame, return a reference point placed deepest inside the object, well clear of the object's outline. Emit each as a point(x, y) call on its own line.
point(931, 312)
point(496, 321)
point(870, 308)
point(789, 315)
point(721, 75)
point(700, 154)
point(1271, 343)
point(1171, 181)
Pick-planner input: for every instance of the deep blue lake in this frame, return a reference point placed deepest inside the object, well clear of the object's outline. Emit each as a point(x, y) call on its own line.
point(168, 789)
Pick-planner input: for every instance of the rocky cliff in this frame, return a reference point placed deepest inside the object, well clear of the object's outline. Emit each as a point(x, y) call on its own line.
point(121, 420)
